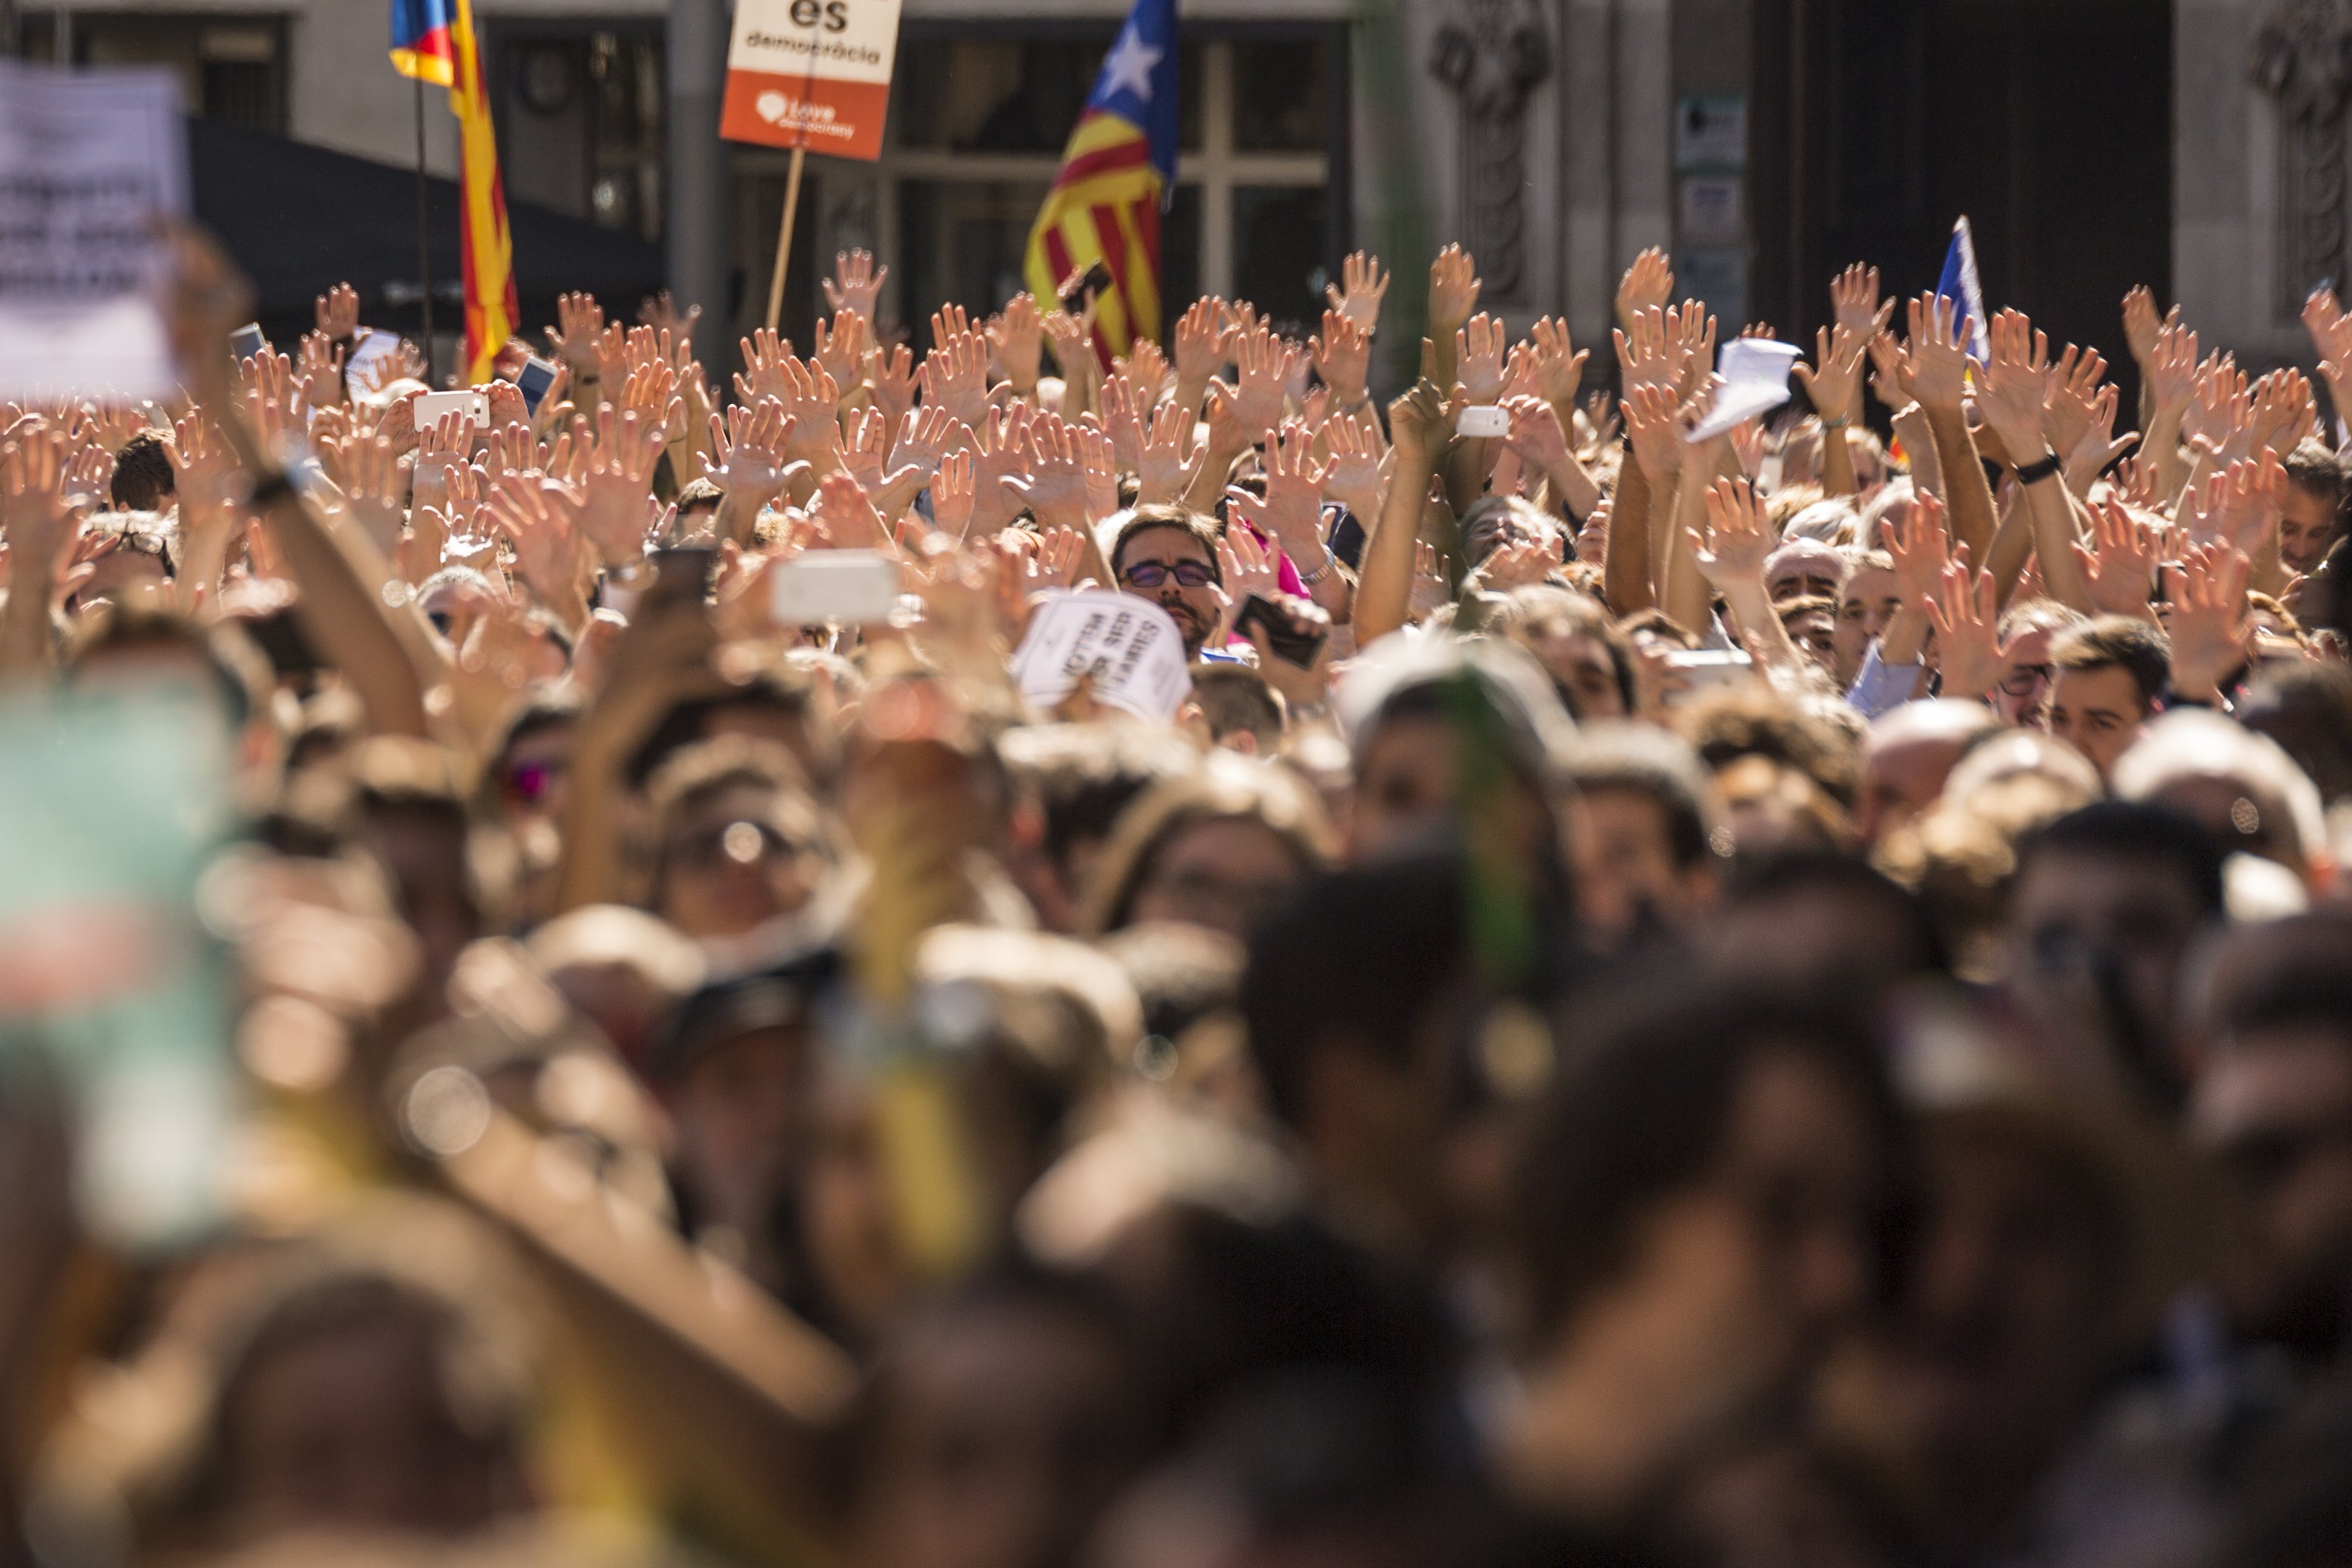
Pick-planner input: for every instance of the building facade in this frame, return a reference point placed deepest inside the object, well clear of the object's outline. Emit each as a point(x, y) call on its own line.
point(2196, 145)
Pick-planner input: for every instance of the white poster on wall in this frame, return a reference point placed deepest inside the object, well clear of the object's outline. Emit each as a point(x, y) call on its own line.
point(91, 161)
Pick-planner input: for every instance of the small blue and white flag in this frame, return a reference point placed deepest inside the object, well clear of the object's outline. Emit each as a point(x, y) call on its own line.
point(1960, 286)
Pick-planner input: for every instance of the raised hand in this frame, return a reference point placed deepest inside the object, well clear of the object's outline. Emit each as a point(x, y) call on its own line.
point(2009, 395)
point(1556, 362)
point(952, 493)
point(812, 406)
point(1967, 617)
point(1644, 355)
point(2119, 563)
point(580, 323)
point(2070, 401)
point(892, 374)
point(337, 312)
point(762, 375)
point(1647, 285)
point(1854, 304)
point(1004, 454)
point(856, 284)
point(1890, 366)
point(1249, 567)
point(618, 477)
point(1342, 356)
point(2171, 368)
point(954, 376)
point(2209, 627)
point(1073, 340)
point(1732, 558)
point(1651, 428)
point(321, 365)
point(2142, 324)
point(1203, 341)
point(1352, 476)
point(750, 451)
point(841, 347)
point(1935, 376)
point(1122, 422)
point(1292, 512)
point(661, 311)
point(1170, 461)
point(1833, 382)
point(1262, 363)
point(1016, 336)
point(1452, 289)
point(2282, 414)
point(1536, 434)
point(1145, 371)
point(537, 517)
point(1920, 546)
point(373, 488)
point(1478, 350)
point(1358, 292)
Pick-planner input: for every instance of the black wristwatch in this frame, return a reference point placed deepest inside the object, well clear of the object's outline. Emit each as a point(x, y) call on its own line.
point(2034, 473)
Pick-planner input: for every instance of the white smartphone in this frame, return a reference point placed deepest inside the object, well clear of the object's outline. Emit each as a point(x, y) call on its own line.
point(1482, 419)
point(1705, 668)
point(846, 587)
point(246, 342)
point(473, 406)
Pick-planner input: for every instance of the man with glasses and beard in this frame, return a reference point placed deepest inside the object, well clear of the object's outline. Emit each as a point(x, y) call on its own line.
point(1168, 554)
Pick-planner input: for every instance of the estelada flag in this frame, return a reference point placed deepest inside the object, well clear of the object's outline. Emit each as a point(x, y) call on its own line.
point(433, 40)
point(1116, 172)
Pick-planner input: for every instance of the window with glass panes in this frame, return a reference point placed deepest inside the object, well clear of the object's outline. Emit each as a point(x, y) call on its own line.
point(977, 126)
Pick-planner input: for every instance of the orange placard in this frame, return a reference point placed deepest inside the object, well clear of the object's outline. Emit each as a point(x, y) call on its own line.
point(814, 74)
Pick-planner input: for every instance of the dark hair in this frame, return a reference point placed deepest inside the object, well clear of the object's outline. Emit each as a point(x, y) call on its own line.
point(2306, 707)
point(1236, 697)
point(1361, 953)
point(142, 478)
point(1800, 871)
point(1656, 764)
point(698, 495)
point(1183, 520)
point(1641, 1114)
point(2314, 466)
point(237, 669)
point(2134, 831)
point(2136, 646)
point(1079, 777)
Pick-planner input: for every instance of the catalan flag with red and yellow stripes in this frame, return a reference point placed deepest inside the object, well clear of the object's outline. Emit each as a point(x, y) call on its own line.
point(434, 41)
point(1117, 170)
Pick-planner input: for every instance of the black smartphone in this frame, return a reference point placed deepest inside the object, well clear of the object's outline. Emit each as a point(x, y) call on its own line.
point(1283, 639)
point(682, 572)
point(537, 377)
point(1094, 280)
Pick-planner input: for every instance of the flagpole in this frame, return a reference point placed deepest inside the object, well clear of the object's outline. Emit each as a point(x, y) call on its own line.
point(784, 237)
point(423, 233)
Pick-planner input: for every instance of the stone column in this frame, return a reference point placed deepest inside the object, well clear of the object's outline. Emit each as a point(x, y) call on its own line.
point(697, 195)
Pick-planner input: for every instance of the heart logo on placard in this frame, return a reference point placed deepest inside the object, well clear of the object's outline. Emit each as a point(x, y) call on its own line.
point(773, 106)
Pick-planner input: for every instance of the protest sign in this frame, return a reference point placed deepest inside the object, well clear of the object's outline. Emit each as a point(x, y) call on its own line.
point(89, 162)
point(811, 74)
point(1127, 649)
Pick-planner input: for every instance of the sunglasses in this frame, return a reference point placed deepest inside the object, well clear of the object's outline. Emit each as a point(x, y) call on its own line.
point(1152, 573)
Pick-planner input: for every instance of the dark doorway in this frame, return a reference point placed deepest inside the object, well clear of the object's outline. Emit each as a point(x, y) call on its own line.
point(2049, 125)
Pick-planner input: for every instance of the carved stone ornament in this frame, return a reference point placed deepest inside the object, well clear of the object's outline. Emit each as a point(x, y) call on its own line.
point(1492, 53)
point(2303, 60)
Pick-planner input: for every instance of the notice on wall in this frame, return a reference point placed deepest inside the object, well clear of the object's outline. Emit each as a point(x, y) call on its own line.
point(811, 73)
point(89, 162)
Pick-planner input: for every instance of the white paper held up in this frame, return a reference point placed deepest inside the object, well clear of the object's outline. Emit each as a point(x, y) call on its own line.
point(1755, 376)
point(89, 160)
point(1127, 648)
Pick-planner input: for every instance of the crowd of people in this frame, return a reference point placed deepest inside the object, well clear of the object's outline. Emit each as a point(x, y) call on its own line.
point(1678, 991)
